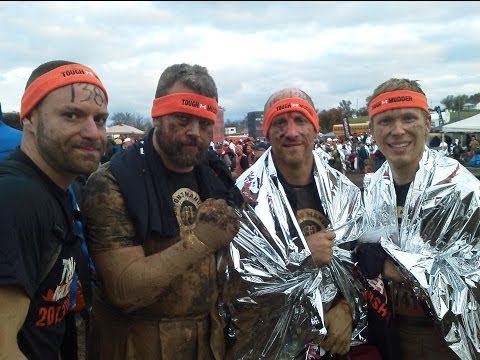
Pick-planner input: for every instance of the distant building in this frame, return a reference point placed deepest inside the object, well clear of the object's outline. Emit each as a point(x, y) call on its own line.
point(219, 127)
point(230, 130)
point(255, 123)
point(468, 106)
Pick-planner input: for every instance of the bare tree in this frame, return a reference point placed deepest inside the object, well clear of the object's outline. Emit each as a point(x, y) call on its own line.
point(132, 119)
point(346, 107)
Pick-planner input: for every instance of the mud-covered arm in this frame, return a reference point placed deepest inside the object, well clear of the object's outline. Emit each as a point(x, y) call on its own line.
point(131, 279)
point(14, 305)
point(339, 322)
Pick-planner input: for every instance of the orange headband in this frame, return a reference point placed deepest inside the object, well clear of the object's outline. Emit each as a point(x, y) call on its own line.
point(189, 103)
point(290, 105)
point(397, 99)
point(54, 79)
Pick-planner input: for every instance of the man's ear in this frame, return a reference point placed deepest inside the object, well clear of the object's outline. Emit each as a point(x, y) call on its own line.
point(30, 121)
point(26, 122)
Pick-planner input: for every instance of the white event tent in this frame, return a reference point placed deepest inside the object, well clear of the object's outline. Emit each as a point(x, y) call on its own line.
point(468, 125)
point(123, 129)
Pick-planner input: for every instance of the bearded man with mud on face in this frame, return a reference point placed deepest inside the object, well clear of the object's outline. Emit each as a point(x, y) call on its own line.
point(155, 216)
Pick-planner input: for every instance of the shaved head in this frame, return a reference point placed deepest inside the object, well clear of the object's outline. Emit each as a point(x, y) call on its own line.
point(285, 94)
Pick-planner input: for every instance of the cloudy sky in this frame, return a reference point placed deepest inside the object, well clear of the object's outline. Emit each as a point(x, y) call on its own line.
point(334, 50)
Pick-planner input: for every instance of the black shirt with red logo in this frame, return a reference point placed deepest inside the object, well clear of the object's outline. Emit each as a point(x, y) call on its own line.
point(36, 223)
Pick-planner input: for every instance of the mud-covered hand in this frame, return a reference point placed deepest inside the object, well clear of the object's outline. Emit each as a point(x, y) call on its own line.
point(321, 246)
point(216, 223)
point(338, 321)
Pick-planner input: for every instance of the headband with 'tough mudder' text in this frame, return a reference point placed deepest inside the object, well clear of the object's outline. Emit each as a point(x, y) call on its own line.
point(290, 105)
point(188, 103)
point(396, 100)
point(54, 79)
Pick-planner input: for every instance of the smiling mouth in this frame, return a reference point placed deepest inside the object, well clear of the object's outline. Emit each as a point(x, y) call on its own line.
point(399, 146)
point(291, 145)
point(90, 149)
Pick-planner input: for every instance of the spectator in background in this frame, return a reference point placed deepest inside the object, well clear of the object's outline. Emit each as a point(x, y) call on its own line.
point(434, 142)
point(222, 155)
point(231, 155)
point(443, 148)
point(379, 158)
point(118, 139)
point(109, 151)
point(457, 150)
point(9, 138)
point(351, 159)
point(242, 161)
point(126, 143)
point(474, 145)
point(363, 157)
point(475, 160)
point(259, 149)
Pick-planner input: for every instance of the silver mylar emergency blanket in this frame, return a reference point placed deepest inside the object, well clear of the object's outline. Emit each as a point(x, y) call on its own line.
point(279, 295)
point(437, 245)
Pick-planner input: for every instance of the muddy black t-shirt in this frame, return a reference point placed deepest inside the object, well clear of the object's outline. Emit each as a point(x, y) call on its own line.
point(185, 199)
point(32, 224)
point(310, 214)
point(405, 301)
point(401, 192)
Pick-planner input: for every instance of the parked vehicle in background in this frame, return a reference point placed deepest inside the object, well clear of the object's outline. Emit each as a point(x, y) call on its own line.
point(355, 129)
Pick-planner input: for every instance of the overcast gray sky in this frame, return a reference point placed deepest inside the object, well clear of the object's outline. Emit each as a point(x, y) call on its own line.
point(334, 50)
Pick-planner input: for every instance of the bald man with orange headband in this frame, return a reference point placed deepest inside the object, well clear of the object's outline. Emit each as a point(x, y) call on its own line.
point(421, 202)
point(63, 114)
point(319, 200)
point(156, 214)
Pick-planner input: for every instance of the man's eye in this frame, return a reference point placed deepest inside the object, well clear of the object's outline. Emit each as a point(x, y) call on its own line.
point(409, 119)
point(101, 121)
point(71, 115)
point(183, 120)
point(205, 123)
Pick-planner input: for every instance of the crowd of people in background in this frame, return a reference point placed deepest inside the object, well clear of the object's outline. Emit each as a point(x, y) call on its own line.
point(358, 154)
point(466, 153)
point(238, 155)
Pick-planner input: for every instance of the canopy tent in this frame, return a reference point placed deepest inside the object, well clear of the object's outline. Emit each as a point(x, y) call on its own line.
point(468, 125)
point(123, 129)
point(330, 134)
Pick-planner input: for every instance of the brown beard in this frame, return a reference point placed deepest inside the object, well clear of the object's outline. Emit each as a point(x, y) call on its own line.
point(172, 147)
